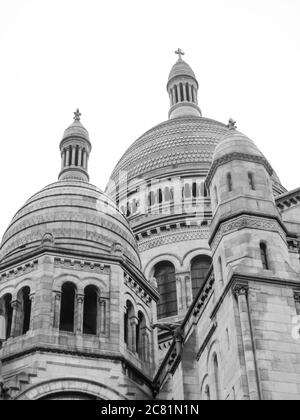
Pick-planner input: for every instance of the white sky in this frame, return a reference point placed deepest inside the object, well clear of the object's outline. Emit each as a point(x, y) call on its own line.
point(112, 58)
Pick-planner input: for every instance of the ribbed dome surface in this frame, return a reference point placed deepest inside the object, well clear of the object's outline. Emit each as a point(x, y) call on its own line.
point(76, 129)
point(181, 68)
point(69, 215)
point(236, 142)
point(186, 142)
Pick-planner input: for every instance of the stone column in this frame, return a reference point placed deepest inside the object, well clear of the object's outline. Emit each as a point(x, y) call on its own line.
point(85, 159)
point(190, 93)
point(67, 156)
point(241, 293)
point(297, 302)
point(14, 323)
point(188, 290)
point(180, 292)
point(133, 322)
point(102, 306)
point(80, 157)
point(31, 297)
point(56, 315)
point(80, 301)
point(73, 155)
point(63, 156)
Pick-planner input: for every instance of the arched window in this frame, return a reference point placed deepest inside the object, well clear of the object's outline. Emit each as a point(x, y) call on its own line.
point(181, 92)
point(140, 331)
point(229, 182)
point(251, 181)
point(165, 277)
point(187, 91)
point(220, 269)
point(216, 376)
point(90, 310)
point(199, 269)
point(176, 94)
point(128, 316)
point(24, 311)
point(67, 309)
point(264, 255)
point(159, 196)
point(6, 311)
point(207, 393)
point(70, 156)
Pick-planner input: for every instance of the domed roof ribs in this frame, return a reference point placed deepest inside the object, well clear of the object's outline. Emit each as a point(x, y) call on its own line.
point(183, 90)
point(75, 150)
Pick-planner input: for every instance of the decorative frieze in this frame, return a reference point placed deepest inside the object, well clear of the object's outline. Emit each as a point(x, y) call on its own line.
point(81, 265)
point(137, 289)
point(243, 222)
point(19, 270)
point(171, 238)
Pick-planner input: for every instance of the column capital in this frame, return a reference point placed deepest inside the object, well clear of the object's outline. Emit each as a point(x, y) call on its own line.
point(240, 289)
point(80, 298)
point(297, 296)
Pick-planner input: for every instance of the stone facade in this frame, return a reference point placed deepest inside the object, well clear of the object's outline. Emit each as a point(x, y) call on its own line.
point(180, 282)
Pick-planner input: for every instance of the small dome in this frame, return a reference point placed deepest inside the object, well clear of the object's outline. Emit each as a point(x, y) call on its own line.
point(76, 129)
point(69, 215)
point(235, 142)
point(181, 68)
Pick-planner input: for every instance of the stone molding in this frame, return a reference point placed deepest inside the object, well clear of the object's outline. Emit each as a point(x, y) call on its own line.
point(237, 156)
point(246, 222)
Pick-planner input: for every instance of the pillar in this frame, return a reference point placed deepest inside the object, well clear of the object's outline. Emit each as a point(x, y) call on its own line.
point(31, 297)
point(241, 294)
point(80, 301)
point(14, 323)
point(67, 156)
point(56, 317)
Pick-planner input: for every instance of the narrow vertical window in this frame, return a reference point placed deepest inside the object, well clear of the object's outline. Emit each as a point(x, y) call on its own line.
point(67, 309)
point(221, 276)
point(187, 92)
point(216, 376)
point(251, 181)
point(90, 310)
point(176, 94)
point(264, 255)
point(207, 393)
point(181, 93)
point(229, 182)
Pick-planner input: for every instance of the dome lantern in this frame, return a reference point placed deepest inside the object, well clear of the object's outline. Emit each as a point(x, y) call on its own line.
point(183, 90)
point(75, 149)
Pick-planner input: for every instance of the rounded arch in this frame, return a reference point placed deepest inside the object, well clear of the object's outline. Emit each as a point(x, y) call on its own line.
point(150, 266)
point(97, 282)
point(190, 255)
point(8, 290)
point(77, 385)
point(130, 298)
point(200, 266)
point(67, 278)
point(204, 384)
point(164, 273)
point(140, 308)
point(25, 283)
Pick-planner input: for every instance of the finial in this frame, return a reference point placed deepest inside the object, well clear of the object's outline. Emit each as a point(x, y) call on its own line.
point(231, 124)
point(180, 53)
point(77, 115)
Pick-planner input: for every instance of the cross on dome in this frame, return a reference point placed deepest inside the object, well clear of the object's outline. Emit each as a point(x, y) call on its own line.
point(77, 115)
point(180, 53)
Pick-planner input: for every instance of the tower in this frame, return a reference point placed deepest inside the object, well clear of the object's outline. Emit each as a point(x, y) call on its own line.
point(77, 308)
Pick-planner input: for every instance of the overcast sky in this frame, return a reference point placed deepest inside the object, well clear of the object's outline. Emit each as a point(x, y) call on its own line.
point(112, 58)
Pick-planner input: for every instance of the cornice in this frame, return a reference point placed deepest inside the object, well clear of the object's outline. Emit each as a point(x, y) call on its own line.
point(237, 156)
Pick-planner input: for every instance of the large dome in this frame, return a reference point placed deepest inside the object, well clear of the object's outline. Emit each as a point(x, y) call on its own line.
point(69, 215)
point(186, 142)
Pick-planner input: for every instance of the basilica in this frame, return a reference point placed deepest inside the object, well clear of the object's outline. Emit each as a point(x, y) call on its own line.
point(180, 282)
